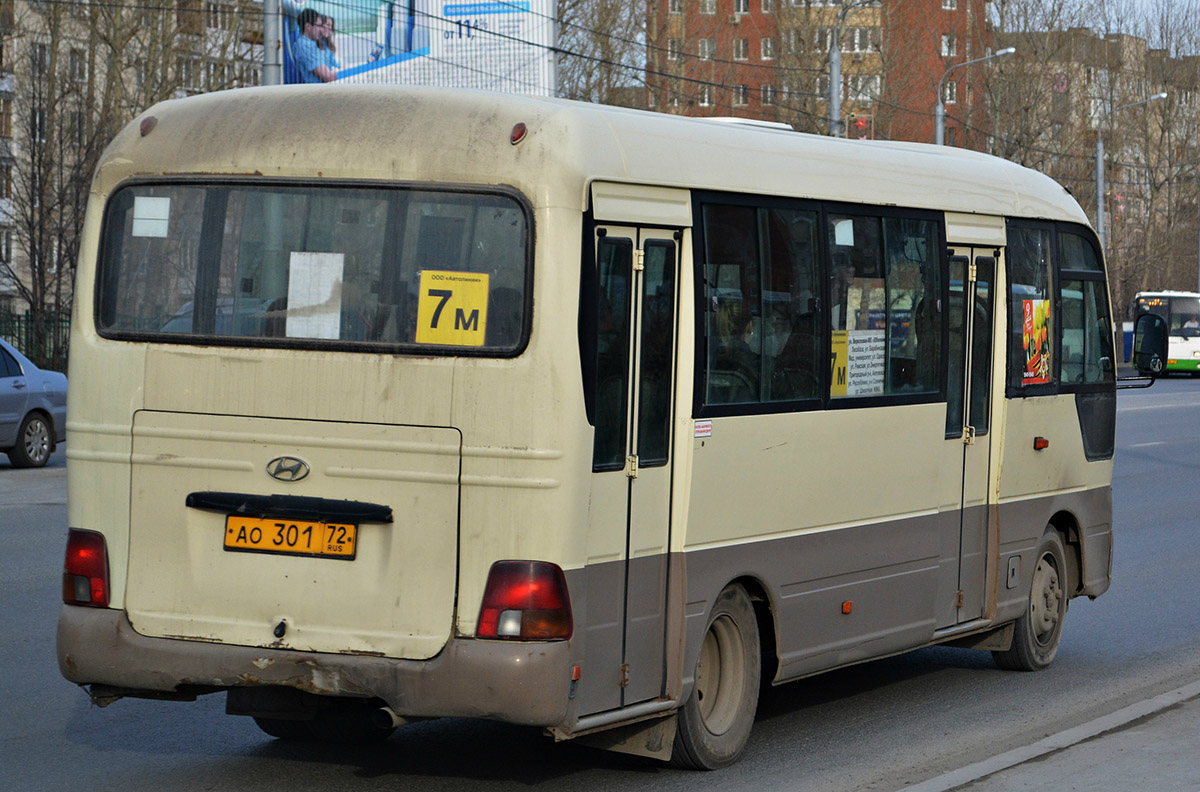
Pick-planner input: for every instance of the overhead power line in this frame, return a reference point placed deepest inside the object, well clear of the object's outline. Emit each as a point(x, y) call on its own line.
point(643, 69)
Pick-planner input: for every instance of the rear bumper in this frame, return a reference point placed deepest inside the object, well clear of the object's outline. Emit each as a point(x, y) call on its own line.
point(523, 683)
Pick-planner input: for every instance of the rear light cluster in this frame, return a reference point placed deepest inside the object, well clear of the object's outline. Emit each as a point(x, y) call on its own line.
point(525, 601)
point(85, 573)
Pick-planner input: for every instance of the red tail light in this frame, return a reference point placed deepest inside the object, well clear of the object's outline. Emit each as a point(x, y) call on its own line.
point(85, 573)
point(525, 601)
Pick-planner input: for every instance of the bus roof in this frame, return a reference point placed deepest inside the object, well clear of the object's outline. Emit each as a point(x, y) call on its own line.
point(453, 135)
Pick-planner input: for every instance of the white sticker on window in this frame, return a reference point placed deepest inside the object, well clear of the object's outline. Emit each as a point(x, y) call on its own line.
point(314, 306)
point(866, 362)
point(151, 216)
point(702, 429)
point(843, 233)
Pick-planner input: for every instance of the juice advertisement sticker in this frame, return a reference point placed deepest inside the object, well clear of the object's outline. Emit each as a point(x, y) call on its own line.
point(1035, 336)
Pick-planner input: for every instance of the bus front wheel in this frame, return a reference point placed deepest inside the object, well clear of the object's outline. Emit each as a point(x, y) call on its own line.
point(1037, 632)
point(714, 723)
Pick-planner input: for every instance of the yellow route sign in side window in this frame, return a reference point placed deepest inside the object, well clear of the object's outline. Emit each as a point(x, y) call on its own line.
point(839, 362)
point(452, 309)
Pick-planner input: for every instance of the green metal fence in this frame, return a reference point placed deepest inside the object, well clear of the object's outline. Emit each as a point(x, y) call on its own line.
point(48, 351)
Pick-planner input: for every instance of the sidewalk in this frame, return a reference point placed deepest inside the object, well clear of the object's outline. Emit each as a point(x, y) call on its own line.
point(1151, 746)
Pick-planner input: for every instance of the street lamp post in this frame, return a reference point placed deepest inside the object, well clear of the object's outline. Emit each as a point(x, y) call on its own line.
point(1100, 224)
point(835, 67)
point(939, 110)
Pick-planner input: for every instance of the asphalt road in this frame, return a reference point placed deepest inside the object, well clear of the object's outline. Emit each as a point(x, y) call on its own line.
point(879, 726)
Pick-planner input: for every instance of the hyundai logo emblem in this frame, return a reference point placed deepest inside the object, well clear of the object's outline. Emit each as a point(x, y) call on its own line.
point(286, 468)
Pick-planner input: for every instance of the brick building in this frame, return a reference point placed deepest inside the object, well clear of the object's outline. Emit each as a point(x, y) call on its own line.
point(770, 60)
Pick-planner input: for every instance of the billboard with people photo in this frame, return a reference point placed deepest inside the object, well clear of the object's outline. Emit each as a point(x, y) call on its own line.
point(499, 45)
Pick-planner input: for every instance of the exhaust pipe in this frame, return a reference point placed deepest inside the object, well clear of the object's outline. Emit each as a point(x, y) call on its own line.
point(386, 718)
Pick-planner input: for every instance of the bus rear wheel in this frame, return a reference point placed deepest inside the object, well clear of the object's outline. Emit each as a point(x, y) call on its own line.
point(1038, 631)
point(715, 721)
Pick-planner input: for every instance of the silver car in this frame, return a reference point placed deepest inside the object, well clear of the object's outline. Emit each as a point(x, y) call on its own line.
point(33, 409)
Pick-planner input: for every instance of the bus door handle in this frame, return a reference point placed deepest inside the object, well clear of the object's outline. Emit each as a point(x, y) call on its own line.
point(968, 435)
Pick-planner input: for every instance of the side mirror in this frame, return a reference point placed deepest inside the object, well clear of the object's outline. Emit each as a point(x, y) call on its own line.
point(1150, 345)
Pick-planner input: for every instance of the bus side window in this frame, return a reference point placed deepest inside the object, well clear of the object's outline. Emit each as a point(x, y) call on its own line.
point(1087, 343)
point(1032, 344)
point(790, 333)
point(885, 305)
point(734, 311)
point(913, 305)
point(761, 303)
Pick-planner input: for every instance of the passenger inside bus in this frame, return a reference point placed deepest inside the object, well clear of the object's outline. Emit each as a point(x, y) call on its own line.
point(736, 356)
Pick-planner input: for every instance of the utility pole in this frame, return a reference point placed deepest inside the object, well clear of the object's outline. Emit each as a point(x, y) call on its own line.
point(835, 67)
point(272, 69)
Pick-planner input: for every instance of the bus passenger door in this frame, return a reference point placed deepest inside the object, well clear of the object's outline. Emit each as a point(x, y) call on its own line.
point(968, 420)
point(630, 507)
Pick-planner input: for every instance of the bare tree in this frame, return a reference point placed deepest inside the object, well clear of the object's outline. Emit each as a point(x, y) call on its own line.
point(1155, 242)
point(1042, 93)
point(79, 73)
point(602, 45)
point(45, 183)
point(804, 37)
point(1084, 70)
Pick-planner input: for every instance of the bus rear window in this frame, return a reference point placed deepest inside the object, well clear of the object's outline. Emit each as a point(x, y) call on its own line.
point(264, 264)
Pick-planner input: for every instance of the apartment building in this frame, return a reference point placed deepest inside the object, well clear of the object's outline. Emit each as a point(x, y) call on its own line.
point(71, 74)
point(770, 60)
point(1068, 88)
